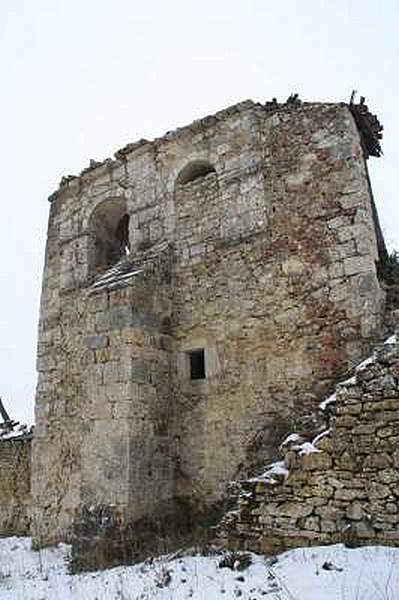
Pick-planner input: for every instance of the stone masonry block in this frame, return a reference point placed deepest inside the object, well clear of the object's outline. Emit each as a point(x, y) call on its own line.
point(141, 371)
point(94, 342)
point(354, 265)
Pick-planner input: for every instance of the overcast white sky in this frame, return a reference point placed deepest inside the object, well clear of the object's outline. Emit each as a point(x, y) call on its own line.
point(79, 79)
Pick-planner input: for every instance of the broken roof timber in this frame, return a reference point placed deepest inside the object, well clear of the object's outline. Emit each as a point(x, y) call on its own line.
point(369, 127)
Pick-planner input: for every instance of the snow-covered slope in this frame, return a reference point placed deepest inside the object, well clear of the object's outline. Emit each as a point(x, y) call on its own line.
point(327, 573)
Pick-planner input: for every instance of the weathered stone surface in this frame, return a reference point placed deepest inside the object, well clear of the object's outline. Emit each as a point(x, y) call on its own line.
point(311, 524)
point(94, 342)
point(328, 526)
point(349, 494)
point(354, 511)
point(141, 371)
point(316, 461)
point(295, 509)
point(15, 457)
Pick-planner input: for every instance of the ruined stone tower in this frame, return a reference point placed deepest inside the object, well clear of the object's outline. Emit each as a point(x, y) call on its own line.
point(199, 291)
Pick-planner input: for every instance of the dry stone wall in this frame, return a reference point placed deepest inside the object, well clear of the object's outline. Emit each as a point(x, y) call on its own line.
point(341, 486)
point(266, 263)
point(15, 473)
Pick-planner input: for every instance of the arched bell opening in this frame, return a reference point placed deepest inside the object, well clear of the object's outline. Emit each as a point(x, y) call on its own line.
point(109, 228)
point(194, 170)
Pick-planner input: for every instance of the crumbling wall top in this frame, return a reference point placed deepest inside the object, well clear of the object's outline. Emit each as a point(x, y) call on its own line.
point(369, 128)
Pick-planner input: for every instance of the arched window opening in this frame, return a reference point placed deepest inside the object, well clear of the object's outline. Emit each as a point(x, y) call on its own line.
point(122, 234)
point(193, 171)
point(110, 228)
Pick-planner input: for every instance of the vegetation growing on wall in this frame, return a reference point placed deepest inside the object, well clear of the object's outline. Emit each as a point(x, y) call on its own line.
point(388, 272)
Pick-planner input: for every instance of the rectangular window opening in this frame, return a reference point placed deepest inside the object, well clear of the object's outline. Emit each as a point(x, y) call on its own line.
point(197, 364)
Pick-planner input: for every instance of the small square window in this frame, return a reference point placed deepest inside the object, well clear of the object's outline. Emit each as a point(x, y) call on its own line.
point(197, 364)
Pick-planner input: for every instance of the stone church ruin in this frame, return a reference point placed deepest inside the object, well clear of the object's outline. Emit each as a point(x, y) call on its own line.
point(201, 292)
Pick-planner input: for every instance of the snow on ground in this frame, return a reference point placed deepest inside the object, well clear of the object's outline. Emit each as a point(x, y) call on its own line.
point(322, 573)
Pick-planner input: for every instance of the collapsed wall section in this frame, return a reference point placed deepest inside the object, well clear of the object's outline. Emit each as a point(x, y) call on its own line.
point(342, 486)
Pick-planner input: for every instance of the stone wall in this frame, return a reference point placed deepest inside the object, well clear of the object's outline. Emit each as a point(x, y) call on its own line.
point(266, 263)
point(15, 473)
point(274, 277)
point(342, 486)
point(103, 440)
